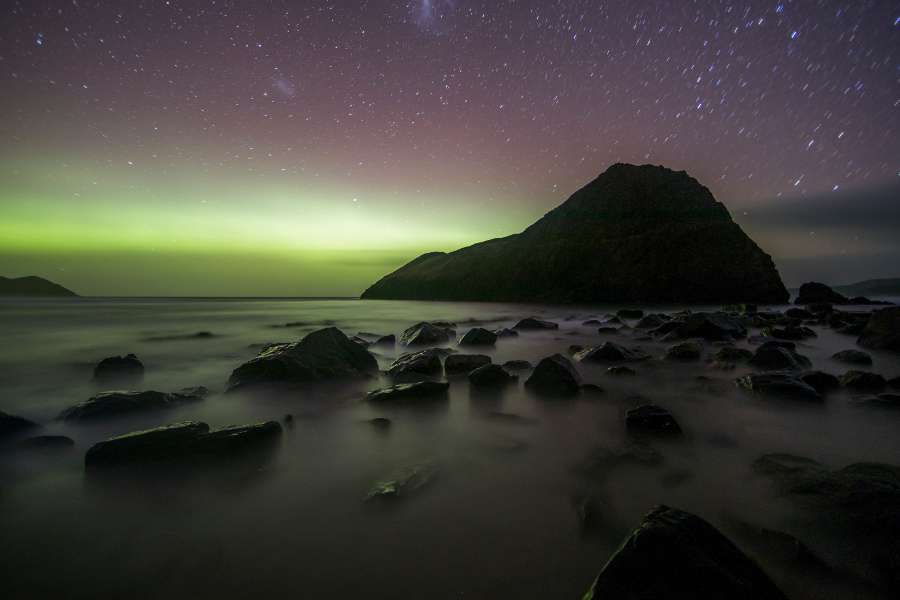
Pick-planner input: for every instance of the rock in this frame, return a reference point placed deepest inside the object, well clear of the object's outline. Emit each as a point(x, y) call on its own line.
point(634, 234)
point(180, 442)
point(799, 313)
point(118, 403)
point(607, 330)
point(713, 327)
point(46, 443)
point(361, 341)
point(575, 349)
point(12, 425)
point(517, 365)
point(425, 334)
point(777, 355)
point(407, 392)
point(779, 384)
point(651, 419)
point(684, 351)
point(386, 340)
point(490, 375)
point(592, 322)
point(820, 381)
point(620, 371)
point(506, 333)
point(592, 389)
point(741, 308)
point(533, 323)
point(415, 366)
point(791, 332)
point(289, 420)
point(675, 555)
point(882, 331)
point(732, 354)
point(478, 337)
point(380, 422)
point(404, 482)
point(119, 368)
point(855, 328)
point(611, 352)
point(863, 381)
point(465, 363)
point(853, 357)
point(554, 376)
point(322, 355)
point(629, 313)
point(886, 401)
point(651, 321)
point(814, 293)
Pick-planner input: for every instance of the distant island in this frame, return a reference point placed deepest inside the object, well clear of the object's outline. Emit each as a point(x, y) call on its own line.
point(871, 287)
point(634, 234)
point(33, 286)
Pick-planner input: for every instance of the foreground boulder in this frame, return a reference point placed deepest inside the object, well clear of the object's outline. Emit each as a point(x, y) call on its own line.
point(611, 352)
point(12, 425)
point(634, 234)
point(119, 368)
point(322, 355)
point(554, 376)
point(408, 392)
point(882, 330)
point(674, 555)
point(180, 442)
point(118, 403)
point(424, 334)
point(490, 376)
point(780, 384)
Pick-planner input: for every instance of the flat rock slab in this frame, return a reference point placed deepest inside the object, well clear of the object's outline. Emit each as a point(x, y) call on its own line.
point(404, 482)
point(118, 403)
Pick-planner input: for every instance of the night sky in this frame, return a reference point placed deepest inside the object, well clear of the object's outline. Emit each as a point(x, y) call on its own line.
point(308, 147)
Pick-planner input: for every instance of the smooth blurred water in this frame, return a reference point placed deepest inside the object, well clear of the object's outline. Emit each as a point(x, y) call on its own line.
point(498, 522)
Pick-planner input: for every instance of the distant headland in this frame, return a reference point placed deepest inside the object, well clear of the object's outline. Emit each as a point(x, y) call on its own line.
point(33, 286)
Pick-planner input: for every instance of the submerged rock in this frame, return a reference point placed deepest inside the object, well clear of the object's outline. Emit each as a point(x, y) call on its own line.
point(717, 326)
point(425, 334)
point(819, 380)
point(119, 368)
point(117, 403)
point(853, 357)
point(46, 443)
point(884, 401)
point(326, 354)
point(651, 321)
point(417, 365)
point(464, 363)
point(406, 392)
point(554, 376)
point(611, 352)
point(780, 384)
point(674, 555)
point(478, 337)
point(863, 381)
point(651, 419)
point(490, 375)
point(777, 355)
point(732, 354)
point(882, 331)
point(11, 425)
point(533, 323)
point(404, 482)
point(684, 351)
point(517, 365)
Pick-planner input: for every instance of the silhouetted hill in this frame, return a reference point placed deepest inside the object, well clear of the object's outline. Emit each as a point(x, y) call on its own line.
point(634, 234)
point(871, 287)
point(32, 286)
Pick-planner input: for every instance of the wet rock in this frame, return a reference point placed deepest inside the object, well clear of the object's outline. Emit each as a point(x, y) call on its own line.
point(425, 334)
point(863, 381)
point(815, 293)
point(575, 349)
point(444, 324)
point(46, 443)
point(417, 365)
point(884, 401)
point(629, 313)
point(119, 369)
point(533, 323)
point(610, 320)
point(621, 371)
point(611, 352)
point(361, 341)
point(506, 333)
point(650, 419)
point(777, 355)
point(410, 392)
point(651, 321)
point(741, 309)
point(180, 442)
point(732, 354)
point(855, 328)
point(491, 375)
point(118, 403)
point(554, 376)
point(478, 337)
point(605, 330)
point(684, 351)
point(820, 381)
point(592, 322)
point(517, 365)
point(404, 482)
point(676, 555)
point(386, 340)
point(779, 384)
point(853, 357)
point(716, 326)
point(456, 364)
point(199, 335)
point(882, 331)
point(326, 354)
point(592, 389)
point(12, 425)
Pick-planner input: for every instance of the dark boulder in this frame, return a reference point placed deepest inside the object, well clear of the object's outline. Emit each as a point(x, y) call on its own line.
point(506, 333)
point(651, 321)
point(12, 425)
point(490, 376)
point(674, 555)
point(816, 293)
point(621, 371)
point(410, 392)
point(779, 384)
point(605, 330)
point(611, 352)
point(517, 365)
point(853, 357)
point(322, 355)
point(414, 366)
point(714, 327)
point(426, 334)
point(114, 404)
point(456, 364)
point(863, 381)
point(554, 376)
point(684, 351)
point(882, 331)
point(119, 369)
point(629, 313)
point(386, 340)
point(732, 354)
point(820, 381)
point(533, 323)
point(46, 443)
point(884, 401)
point(650, 419)
point(478, 336)
point(776, 355)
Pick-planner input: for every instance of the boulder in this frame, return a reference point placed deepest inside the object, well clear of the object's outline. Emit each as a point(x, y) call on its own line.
point(884, 401)
point(426, 334)
point(117, 403)
point(322, 355)
point(611, 352)
point(517, 365)
point(605, 330)
point(417, 365)
point(732, 354)
point(820, 381)
point(651, 321)
point(684, 351)
point(464, 363)
point(554, 376)
point(716, 326)
point(650, 419)
point(629, 313)
point(776, 355)
point(620, 371)
point(403, 482)
point(675, 555)
point(853, 357)
point(386, 340)
point(408, 392)
point(478, 336)
point(11, 425)
point(819, 293)
point(533, 323)
point(490, 375)
point(119, 369)
point(790, 332)
point(506, 333)
point(882, 331)
point(779, 384)
point(863, 381)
